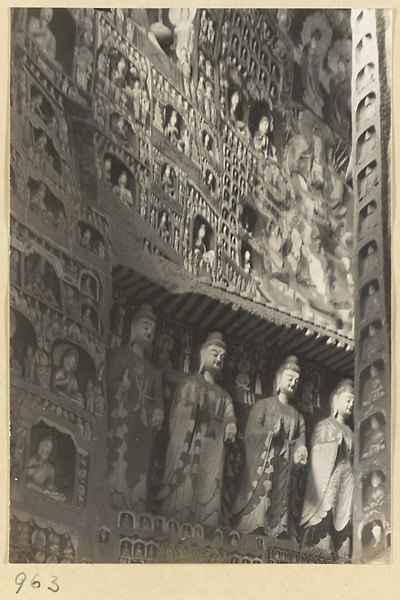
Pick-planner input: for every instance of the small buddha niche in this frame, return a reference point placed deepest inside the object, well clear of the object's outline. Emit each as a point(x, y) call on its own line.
point(173, 124)
point(45, 151)
point(372, 383)
point(54, 31)
point(368, 259)
point(120, 178)
point(91, 239)
point(372, 435)
point(51, 464)
point(126, 520)
point(373, 539)
point(203, 235)
point(125, 548)
point(249, 220)
point(372, 341)
point(366, 109)
point(46, 205)
point(122, 129)
point(41, 106)
point(367, 145)
point(368, 218)
point(373, 490)
point(41, 280)
point(73, 369)
point(369, 299)
point(23, 344)
point(365, 77)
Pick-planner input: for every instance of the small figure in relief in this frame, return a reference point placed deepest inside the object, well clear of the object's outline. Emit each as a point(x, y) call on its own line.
point(38, 29)
point(328, 500)
point(89, 397)
point(373, 343)
point(275, 446)
point(122, 190)
point(311, 63)
point(374, 440)
point(171, 129)
point(374, 389)
point(372, 306)
point(29, 365)
point(375, 492)
point(41, 472)
point(202, 419)
point(64, 382)
point(86, 289)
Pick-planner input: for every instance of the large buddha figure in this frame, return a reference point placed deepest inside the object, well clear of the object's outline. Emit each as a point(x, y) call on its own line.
point(38, 29)
point(274, 445)
point(135, 390)
point(329, 492)
point(202, 419)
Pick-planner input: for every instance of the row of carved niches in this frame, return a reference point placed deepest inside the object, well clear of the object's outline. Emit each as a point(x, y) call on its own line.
point(55, 363)
point(49, 70)
point(122, 84)
point(47, 459)
point(35, 540)
point(45, 114)
point(125, 175)
point(64, 38)
point(41, 290)
point(37, 278)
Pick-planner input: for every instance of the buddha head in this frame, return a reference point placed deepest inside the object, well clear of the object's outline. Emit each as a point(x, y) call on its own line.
point(212, 354)
point(342, 399)
point(143, 326)
point(287, 377)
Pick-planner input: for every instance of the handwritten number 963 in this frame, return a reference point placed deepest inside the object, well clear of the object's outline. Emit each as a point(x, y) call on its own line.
point(35, 583)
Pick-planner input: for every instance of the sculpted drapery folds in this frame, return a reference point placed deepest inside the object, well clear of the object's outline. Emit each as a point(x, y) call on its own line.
point(135, 390)
point(274, 443)
point(202, 419)
point(329, 492)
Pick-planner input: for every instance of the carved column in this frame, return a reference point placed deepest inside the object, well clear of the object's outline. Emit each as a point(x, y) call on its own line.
point(372, 411)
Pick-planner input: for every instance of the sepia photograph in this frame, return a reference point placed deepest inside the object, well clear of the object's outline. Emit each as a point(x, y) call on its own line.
point(200, 286)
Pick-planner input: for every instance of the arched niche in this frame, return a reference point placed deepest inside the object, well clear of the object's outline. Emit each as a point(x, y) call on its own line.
point(250, 220)
point(366, 109)
point(41, 105)
point(41, 280)
point(63, 28)
point(373, 539)
point(365, 77)
point(368, 259)
point(125, 547)
point(367, 145)
point(92, 241)
point(60, 470)
point(89, 285)
point(113, 167)
point(368, 218)
point(203, 235)
point(373, 489)
point(139, 549)
point(372, 341)
point(372, 435)
point(22, 337)
point(174, 124)
point(122, 128)
point(372, 383)
point(90, 317)
point(84, 371)
point(46, 150)
point(46, 205)
point(369, 300)
point(126, 520)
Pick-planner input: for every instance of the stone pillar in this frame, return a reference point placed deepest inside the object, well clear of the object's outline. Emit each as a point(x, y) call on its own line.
point(372, 410)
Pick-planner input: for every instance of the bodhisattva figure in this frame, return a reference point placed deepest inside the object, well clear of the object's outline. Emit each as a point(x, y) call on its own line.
point(202, 419)
point(64, 382)
point(38, 29)
point(274, 446)
point(328, 500)
point(135, 390)
point(41, 472)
